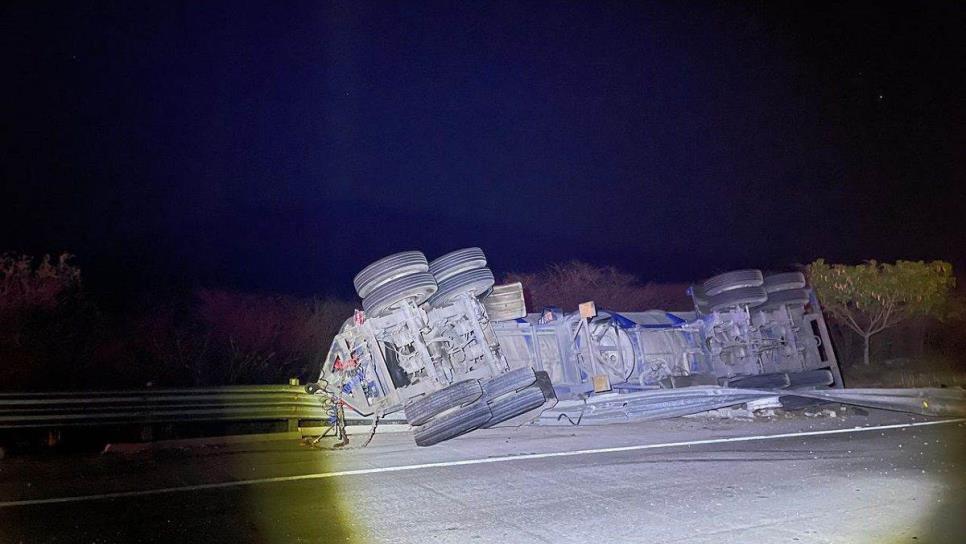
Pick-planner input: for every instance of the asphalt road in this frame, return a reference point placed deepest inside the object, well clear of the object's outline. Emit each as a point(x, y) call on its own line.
point(683, 480)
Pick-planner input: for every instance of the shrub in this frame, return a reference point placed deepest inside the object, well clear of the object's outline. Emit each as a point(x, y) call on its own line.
point(25, 286)
point(48, 329)
point(268, 338)
point(566, 285)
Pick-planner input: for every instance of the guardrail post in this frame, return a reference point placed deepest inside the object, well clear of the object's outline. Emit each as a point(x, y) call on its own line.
point(293, 423)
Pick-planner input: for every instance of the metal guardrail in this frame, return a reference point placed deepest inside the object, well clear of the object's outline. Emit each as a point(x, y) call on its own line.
point(665, 403)
point(292, 404)
point(232, 403)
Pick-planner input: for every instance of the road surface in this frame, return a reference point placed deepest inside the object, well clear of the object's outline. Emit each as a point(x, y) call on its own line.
point(877, 477)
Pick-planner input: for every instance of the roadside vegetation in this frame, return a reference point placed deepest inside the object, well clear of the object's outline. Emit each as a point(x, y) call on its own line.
point(55, 335)
point(565, 285)
point(894, 325)
point(873, 297)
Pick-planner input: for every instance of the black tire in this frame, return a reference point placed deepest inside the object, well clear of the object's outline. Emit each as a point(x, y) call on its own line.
point(790, 297)
point(743, 296)
point(514, 404)
point(782, 282)
point(387, 269)
point(735, 279)
point(452, 424)
point(778, 380)
point(700, 299)
point(312, 388)
point(457, 262)
point(478, 282)
point(513, 380)
point(422, 409)
point(419, 287)
point(811, 378)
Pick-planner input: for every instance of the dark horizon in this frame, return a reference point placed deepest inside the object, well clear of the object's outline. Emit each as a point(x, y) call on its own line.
point(271, 150)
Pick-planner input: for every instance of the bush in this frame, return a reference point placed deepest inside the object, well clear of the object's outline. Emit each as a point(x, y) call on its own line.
point(566, 285)
point(29, 287)
point(52, 336)
point(48, 329)
point(268, 338)
point(225, 337)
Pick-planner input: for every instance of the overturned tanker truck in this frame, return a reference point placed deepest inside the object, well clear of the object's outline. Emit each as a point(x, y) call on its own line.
point(441, 342)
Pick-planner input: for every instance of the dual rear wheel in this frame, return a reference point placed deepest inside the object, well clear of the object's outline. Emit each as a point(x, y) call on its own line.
point(389, 282)
point(472, 404)
point(749, 288)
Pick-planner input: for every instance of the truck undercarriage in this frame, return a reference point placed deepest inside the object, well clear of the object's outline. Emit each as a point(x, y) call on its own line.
point(442, 343)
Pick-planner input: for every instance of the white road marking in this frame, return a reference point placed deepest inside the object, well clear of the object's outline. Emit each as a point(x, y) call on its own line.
point(443, 464)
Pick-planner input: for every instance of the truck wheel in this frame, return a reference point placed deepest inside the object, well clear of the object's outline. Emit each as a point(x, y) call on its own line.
point(735, 279)
point(513, 380)
point(418, 286)
point(387, 269)
point(505, 302)
point(788, 297)
point(456, 262)
point(781, 282)
point(777, 380)
point(452, 424)
point(820, 377)
point(477, 281)
point(700, 299)
point(514, 404)
point(743, 296)
point(422, 409)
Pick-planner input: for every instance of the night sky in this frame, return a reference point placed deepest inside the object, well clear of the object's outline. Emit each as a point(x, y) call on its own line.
point(282, 149)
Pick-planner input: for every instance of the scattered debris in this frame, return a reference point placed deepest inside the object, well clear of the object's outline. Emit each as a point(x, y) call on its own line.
point(726, 413)
point(767, 403)
point(821, 413)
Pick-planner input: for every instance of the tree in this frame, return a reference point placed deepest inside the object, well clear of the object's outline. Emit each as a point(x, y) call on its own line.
point(872, 297)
